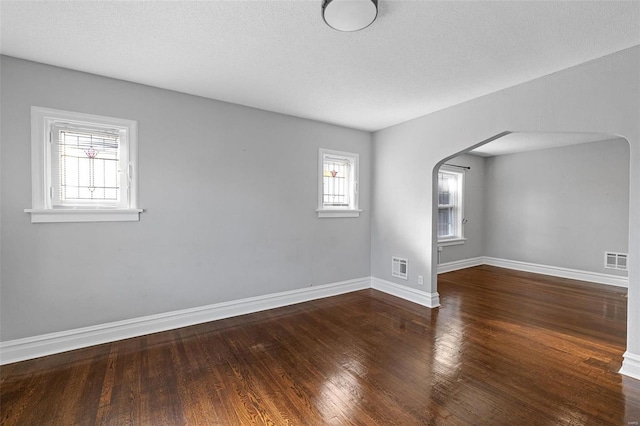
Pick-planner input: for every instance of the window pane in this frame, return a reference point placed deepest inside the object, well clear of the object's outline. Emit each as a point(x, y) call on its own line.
point(445, 222)
point(446, 188)
point(88, 167)
point(335, 183)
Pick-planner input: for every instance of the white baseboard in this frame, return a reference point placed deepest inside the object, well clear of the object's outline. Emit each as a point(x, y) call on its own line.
point(631, 365)
point(430, 300)
point(556, 271)
point(52, 343)
point(460, 264)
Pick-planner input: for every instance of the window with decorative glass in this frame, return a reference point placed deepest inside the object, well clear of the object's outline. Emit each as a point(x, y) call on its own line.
point(338, 184)
point(83, 167)
point(450, 205)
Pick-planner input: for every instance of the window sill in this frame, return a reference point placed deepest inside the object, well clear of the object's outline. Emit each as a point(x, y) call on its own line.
point(83, 215)
point(338, 213)
point(451, 242)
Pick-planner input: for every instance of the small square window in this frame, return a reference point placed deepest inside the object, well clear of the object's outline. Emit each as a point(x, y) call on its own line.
point(83, 167)
point(338, 184)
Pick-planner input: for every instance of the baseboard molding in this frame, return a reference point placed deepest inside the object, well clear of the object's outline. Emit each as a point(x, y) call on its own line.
point(52, 343)
point(430, 300)
point(460, 264)
point(631, 365)
point(556, 271)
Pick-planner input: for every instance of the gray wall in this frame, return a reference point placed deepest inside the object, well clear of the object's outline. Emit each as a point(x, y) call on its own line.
point(560, 207)
point(229, 194)
point(474, 188)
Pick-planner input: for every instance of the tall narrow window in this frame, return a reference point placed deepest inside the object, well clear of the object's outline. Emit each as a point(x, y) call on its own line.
point(336, 174)
point(84, 167)
point(450, 205)
point(338, 184)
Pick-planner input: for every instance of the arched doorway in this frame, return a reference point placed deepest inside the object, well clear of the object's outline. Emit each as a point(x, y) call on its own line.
point(588, 171)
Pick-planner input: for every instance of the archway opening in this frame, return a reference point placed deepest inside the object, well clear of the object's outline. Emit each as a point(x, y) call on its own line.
point(551, 203)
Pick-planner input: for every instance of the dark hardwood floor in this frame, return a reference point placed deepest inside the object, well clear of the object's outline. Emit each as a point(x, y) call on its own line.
point(505, 348)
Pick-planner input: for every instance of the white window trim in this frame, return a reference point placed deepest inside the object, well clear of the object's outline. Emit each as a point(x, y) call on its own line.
point(352, 210)
point(451, 242)
point(41, 209)
point(457, 239)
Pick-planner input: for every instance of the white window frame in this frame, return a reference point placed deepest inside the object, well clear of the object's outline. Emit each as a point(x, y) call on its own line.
point(43, 121)
point(352, 210)
point(458, 206)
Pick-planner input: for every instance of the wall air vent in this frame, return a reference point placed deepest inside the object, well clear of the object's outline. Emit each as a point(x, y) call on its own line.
point(399, 267)
point(615, 260)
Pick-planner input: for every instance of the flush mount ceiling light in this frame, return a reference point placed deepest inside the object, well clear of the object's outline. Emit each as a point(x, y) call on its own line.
point(349, 15)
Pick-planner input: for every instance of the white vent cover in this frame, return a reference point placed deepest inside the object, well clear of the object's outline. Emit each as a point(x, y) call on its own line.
point(399, 267)
point(615, 260)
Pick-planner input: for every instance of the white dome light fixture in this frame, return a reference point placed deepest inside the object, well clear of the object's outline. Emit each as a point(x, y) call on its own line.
point(349, 15)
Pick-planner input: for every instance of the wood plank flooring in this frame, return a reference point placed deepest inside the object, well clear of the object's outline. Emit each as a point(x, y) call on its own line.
point(505, 348)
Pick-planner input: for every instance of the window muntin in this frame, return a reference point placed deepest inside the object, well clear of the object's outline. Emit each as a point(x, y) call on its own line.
point(450, 212)
point(338, 184)
point(83, 167)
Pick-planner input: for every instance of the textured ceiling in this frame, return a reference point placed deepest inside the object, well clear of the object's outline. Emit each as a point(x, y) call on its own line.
point(416, 58)
point(530, 141)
